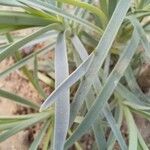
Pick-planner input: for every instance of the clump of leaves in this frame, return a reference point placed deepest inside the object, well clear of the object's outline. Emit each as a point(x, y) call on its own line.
point(100, 44)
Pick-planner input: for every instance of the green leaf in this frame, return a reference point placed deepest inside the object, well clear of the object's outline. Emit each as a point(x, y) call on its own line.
point(42, 14)
point(75, 106)
point(104, 6)
point(133, 85)
point(19, 99)
point(145, 114)
point(107, 90)
point(133, 142)
point(130, 96)
point(52, 9)
point(89, 7)
point(7, 119)
point(142, 34)
point(24, 124)
point(39, 137)
point(62, 106)
point(141, 141)
point(67, 83)
point(22, 19)
point(137, 107)
point(25, 60)
point(118, 117)
point(100, 54)
point(36, 80)
point(9, 125)
point(10, 3)
point(111, 6)
point(114, 127)
point(18, 44)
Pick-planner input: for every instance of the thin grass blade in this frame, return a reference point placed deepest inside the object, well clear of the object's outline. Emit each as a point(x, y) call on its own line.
point(39, 137)
point(18, 99)
point(133, 141)
point(36, 80)
point(22, 125)
point(114, 127)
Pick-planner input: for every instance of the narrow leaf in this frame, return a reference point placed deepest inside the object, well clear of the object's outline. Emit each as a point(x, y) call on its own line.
point(62, 106)
point(39, 137)
point(24, 61)
point(22, 125)
point(53, 9)
point(142, 34)
point(107, 90)
point(132, 130)
point(18, 99)
point(18, 44)
point(100, 53)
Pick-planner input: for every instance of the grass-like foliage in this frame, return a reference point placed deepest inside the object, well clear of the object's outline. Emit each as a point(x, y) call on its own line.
point(98, 47)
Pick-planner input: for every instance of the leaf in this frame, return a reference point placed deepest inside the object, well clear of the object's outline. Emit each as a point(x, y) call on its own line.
point(97, 85)
point(114, 127)
point(129, 96)
point(36, 80)
point(100, 54)
point(90, 8)
point(107, 90)
point(62, 106)
point(24, 124)
point(75, 106)
point(51, 2)
point(111, 6)
point(22, 19)
point(104, 6)
point(39, 137)
point(24, 61)
point(18, 99)
point(52, 9)
point(132, 130)
point(10, 3)
point(118, 117)
point(40, 13)
point(67, 83)
point(145, 114)
point(141, 141)
point(6, 119)
point(79, 12)
point(4, 46)
point(142, 34)
point(6, 126)
point(133, 85)
point(18, 44)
